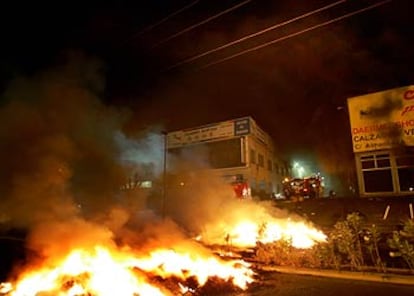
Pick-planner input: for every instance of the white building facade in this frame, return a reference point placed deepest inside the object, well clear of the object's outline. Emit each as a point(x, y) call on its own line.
point(237, 150)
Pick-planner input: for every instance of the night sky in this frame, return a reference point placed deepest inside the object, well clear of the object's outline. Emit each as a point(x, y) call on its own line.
point(295, 89)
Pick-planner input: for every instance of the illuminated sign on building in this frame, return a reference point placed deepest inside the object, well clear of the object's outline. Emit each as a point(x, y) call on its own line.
point(204, 133)
point(242, 126)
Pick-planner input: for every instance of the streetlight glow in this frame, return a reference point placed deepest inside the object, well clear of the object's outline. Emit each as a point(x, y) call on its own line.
point(300, 170)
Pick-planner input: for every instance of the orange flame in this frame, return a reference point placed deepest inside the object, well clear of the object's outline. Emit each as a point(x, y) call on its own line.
point(246, 233)
point(169, 262)
point(106, 272)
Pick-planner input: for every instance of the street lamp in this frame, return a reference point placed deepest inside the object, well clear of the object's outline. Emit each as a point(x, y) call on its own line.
point(300, 169)
point(164, 177)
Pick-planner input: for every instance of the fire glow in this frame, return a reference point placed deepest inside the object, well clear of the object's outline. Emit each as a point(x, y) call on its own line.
point(246, 233)
point(105, 272)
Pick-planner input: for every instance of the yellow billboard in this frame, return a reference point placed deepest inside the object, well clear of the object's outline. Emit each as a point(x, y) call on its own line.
point(382, 120)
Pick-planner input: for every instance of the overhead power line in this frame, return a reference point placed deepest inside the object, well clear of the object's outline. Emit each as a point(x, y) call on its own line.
point(150, 27)
point(273, 27)
point(296, 33)
point(201, 23)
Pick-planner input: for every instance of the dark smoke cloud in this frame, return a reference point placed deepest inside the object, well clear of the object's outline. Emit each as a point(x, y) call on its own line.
point(65, 157)
point(62, 157)
point(145, 151)
point(383, 109)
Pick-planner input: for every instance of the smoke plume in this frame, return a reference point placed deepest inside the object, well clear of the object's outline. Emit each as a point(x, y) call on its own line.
point(65, 157)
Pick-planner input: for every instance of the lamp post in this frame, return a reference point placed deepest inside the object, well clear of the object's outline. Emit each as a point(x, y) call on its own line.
point(164, 173)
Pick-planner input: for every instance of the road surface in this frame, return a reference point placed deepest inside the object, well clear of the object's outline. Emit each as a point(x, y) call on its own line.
point(279, 284)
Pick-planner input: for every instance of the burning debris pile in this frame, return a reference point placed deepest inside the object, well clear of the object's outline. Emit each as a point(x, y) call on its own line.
point(106, 271)
point(84, 258)
point(249, 223)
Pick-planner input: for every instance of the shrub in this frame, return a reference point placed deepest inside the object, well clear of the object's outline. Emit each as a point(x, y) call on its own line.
point(372, 239)
point(348, 244)
point(346, 236)
point(278, 253)
point(328, 255)
point(283, 254)
point(402, 244)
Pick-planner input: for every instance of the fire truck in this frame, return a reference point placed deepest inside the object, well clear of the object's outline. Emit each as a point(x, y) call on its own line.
point(301, 188)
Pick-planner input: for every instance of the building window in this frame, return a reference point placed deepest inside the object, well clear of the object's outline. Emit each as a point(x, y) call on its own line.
point(405, 161)
point(253, 184)
point(405, 167)
point(378, 181)
point(277, 168)
point(260, 160)
point(215, 154)
point(375, 161)
point(269, 165)
point(383, 161)
point(376, 172)
point(406, 179)
point(252, 156)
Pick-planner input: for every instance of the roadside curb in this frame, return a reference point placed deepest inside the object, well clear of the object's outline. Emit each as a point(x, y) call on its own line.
point(350, 275)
